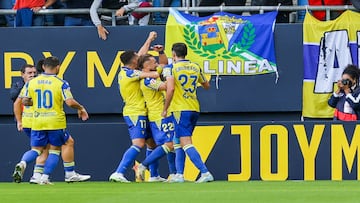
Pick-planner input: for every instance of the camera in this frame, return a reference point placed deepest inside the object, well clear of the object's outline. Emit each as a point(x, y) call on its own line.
point(346, 82)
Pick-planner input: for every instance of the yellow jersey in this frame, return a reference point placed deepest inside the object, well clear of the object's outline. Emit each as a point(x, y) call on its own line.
point(186, 77)
point(129, 85)
point(154, 99)
point(48, 93)
point(27, 111)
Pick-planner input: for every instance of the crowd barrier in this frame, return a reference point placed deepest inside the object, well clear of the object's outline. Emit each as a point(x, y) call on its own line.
point(194, 9)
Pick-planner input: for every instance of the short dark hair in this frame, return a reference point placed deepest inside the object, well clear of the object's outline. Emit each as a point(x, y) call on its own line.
point(353, 71)
point(180, 49)
point(127, 56)
point(23, 68)
point(142, 59)
point(51, 62)
point(39, 65)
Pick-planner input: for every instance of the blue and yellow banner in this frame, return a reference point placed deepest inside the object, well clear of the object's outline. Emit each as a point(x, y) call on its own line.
point(328, 47)
point(224, 43)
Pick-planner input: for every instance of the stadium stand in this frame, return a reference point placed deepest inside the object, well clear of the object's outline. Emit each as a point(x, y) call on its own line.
point(292, 13)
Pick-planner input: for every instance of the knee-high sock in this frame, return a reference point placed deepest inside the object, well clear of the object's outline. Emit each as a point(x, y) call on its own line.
point(171, 161)
point(30, 155)
point(195, 157)
point(153, 166)
point(38, 169)
point(51, 161)
point(128, 157)
point(69, 166)
point(179, 159)
point(155, 155)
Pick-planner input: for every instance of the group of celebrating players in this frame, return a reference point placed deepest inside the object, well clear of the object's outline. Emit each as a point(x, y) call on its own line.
point(160, 108)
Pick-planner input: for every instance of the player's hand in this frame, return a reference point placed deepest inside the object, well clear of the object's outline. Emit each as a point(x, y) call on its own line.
point(27, 101)
point(158, 47)
point(82, 113)
point(154, 74)
point(152, 35)
point(120, 12)
point(102, 32)
point(36, 9)
point(164, 113)
point(19, 126)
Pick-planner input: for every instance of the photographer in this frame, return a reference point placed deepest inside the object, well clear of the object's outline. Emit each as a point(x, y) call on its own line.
point(346, 99)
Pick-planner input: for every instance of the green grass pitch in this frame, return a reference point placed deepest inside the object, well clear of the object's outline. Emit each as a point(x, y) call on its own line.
point(218, 191)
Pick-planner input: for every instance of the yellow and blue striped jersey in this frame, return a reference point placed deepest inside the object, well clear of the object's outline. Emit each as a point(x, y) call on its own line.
point(129, 85)
point(159, 69)
point(154, 99)
point(48, 93)
point(27, 111)
point(186, 76)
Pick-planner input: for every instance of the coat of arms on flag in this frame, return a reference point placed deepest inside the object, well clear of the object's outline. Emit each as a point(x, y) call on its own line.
point(225, 43)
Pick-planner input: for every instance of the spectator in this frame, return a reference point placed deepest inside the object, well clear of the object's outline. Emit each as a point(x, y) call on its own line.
point(160, 18)
point(77, 19)
point(122, 6)
point(2, 21)
point(218, 3)
point(345, 99)
point(321, 15)
point(58, 19)
point(356, 4)
point(8, 19)
point(25, 12)
point(137, 18)
point(301, 13)
point(283, 16)
point(106, 20)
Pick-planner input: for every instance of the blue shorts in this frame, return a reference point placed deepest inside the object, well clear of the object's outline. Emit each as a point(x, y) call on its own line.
point(185, 124)
point(40, 138)
point(164, 132)
point(137, 126)
point(27, 131)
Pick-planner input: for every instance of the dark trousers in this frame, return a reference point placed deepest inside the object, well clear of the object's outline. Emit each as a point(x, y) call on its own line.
point(218, 3)
point(283, 16)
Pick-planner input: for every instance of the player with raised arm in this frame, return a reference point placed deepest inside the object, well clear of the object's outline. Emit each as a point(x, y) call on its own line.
point(181, 100)
point(47, 93)
point(162, 129)
point(134, 110)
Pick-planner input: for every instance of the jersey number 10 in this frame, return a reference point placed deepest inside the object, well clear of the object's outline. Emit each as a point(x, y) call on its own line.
point(44, 98)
